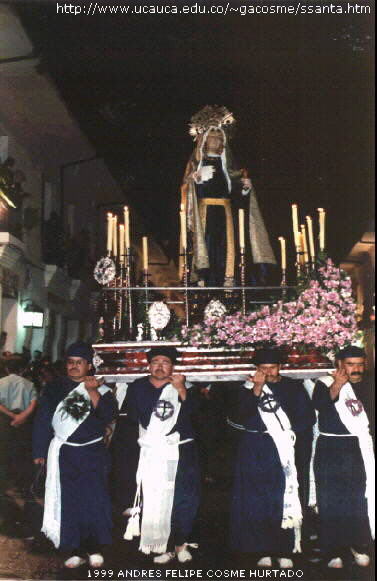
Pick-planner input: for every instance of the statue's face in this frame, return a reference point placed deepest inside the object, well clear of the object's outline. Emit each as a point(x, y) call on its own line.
point(214, 142)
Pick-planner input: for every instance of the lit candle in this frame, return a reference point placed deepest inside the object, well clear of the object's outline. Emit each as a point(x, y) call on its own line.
point(127, 228)
point(145, 253)
point(109, 243)
point(121, 240)
point(296, 233)
point(182, 215)
point(283, 253)
point(322, 216)
point(115, 235)
point(241, 228)
point(309, 222)
point(304, 243)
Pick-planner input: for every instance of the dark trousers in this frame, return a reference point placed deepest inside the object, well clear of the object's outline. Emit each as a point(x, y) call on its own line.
point(5, 447)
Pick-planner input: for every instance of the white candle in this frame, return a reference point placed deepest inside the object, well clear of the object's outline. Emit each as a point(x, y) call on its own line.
point(109, 242)
point(115, 235)
point(304, 243)
point(182, 215)
point(283, 253)
point(145, 253)
point(322, 217)
point(127, 228)
point(296, 233)
point(121, 241)
point(241, 228)
point(309, 222)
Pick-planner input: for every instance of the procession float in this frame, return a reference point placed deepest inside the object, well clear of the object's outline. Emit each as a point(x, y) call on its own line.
point(217, 318)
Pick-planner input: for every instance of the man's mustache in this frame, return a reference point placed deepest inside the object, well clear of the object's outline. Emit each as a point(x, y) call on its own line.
point(356, 373)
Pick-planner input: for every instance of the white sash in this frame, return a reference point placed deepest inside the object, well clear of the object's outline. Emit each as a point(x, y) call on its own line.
point(312, 501)
point(156, 473)
point(357, 423)
point(279, 428)
point(63, 428)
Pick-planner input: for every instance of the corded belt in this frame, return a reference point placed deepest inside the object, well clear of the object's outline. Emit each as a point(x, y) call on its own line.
point(243, 429)
point(338, 435)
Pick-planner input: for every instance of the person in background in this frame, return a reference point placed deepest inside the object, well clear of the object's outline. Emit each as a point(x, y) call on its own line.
point(18, 401)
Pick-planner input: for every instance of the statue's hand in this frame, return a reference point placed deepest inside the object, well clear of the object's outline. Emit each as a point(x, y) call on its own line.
point(246, 184)
point(206, 173)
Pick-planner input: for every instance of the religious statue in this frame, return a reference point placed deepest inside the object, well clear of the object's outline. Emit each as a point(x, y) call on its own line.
point(211, 191)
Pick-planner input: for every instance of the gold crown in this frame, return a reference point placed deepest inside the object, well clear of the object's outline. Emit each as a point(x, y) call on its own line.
point(210, 116)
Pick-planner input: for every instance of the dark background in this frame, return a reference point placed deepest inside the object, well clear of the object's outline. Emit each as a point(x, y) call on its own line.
point(300, 87)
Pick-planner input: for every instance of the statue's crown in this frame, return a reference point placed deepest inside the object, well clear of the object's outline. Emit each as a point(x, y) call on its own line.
point(210, 116)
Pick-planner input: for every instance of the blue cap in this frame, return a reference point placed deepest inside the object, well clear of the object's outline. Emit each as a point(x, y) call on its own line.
point(80, 349)
point(350, 351)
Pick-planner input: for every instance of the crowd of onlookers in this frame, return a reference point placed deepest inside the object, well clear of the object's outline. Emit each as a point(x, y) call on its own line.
point(23, 377)
point(35, 367)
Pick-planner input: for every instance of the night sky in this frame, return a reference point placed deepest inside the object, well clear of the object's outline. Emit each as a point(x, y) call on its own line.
point(300, 88)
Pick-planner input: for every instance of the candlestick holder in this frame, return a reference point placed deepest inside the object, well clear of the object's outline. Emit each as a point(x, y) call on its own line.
point(128, 330)
point(299, 263)
point(146, 323)
point(283, 283)
point(120, 297)
point(185, 284)
point(307, 268)
point(243, 280)
point(109, 311)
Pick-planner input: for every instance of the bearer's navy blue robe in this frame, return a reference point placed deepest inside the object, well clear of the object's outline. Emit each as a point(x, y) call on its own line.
point(85, 502)
point(139, 404)
point(259, 480)
point(340, 476)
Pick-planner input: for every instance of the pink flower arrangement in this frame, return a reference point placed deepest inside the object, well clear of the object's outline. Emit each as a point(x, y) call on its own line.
point(322, 317)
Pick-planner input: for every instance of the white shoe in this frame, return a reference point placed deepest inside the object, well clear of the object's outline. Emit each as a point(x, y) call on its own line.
point(96, 560)
point(336, 563)
point(361, 559)
point(265, 562)
point(285, 563)
point(164, 558)
point(74, 562)
point(184, 555)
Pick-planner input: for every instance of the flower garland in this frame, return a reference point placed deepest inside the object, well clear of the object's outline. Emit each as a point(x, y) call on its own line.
point(322, 317)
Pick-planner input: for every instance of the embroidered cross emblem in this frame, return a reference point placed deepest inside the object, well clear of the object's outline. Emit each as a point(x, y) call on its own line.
point(268, 403)
point(163, 409)
point(355, 406)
